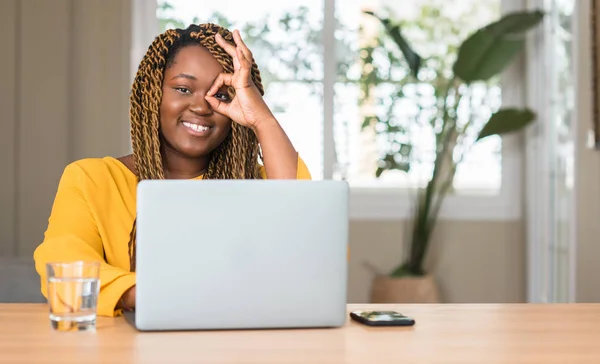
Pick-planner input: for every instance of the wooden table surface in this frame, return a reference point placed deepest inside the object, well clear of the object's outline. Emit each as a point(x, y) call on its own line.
point(469, 333)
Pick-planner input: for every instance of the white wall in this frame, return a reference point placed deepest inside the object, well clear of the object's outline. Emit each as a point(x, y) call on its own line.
point(64, 79)
point(64, 96)
point(587, 168)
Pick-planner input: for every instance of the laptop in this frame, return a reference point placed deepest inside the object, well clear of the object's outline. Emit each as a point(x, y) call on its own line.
point(241, 254)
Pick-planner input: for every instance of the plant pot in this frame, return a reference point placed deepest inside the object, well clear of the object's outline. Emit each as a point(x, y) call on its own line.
point(387, 289)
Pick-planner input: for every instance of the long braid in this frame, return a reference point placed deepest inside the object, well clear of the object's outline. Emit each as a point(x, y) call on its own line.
point(236, 158)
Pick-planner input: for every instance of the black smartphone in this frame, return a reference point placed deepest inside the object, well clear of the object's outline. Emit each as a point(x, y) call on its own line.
point(381, 318)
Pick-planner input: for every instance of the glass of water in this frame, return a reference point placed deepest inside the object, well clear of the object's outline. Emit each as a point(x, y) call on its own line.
point(73, 289)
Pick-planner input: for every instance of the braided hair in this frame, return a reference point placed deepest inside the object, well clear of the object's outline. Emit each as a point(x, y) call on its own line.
point(236, 157)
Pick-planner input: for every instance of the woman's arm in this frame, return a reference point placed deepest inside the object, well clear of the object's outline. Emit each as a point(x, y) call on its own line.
point(279, 156)
point(250, 110)
point(72, 235)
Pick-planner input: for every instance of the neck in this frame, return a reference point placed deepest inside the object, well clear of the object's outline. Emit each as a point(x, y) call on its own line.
point(179, 167)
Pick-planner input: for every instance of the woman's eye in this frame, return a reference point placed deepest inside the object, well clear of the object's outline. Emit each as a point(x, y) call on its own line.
point(222, 96)
point(183, 90)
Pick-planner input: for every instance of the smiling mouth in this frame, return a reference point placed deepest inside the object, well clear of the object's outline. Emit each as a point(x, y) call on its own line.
point(197, 129)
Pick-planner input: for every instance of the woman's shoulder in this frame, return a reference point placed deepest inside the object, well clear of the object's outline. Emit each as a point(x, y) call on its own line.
point(98, 170)
point(302, 170)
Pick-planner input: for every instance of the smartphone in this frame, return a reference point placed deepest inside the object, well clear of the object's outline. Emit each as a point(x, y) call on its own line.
point(381, 318)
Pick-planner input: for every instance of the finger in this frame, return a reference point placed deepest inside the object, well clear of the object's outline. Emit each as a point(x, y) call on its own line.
point(245, 63)
point(223, 79)
point(218, 105)
point(228, 47)
point(237, 37)
point(245, 70)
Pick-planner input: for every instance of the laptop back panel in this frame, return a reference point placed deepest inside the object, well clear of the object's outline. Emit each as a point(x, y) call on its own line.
point(241, 254)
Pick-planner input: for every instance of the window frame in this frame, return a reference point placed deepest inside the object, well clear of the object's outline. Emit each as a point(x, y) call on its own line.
point(378, 203)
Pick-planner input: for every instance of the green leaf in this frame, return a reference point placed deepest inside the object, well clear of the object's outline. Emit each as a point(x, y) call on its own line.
point(367, 121)
point(516, 22)
point(165, 6)
point(412, 58)
point(405, 149)
point(394, 129)
point(389, 162)
point(490, 50)
point(506, 121)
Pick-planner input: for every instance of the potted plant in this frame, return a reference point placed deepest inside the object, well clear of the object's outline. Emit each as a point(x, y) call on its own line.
point(476, 63)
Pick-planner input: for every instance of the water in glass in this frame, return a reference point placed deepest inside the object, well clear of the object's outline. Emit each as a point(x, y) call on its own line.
point(73, 295)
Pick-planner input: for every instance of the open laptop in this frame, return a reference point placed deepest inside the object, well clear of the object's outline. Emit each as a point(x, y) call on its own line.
point(241, 254)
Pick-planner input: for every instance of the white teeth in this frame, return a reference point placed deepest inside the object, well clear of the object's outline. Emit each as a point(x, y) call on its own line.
point(196, 127)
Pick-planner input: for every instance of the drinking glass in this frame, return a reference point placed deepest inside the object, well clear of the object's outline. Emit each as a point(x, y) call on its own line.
point(73, 289)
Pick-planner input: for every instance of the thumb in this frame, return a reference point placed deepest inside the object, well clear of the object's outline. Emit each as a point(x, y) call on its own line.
point(218, 105)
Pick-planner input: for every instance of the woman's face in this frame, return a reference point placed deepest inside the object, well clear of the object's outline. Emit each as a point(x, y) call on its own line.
point(189, 127)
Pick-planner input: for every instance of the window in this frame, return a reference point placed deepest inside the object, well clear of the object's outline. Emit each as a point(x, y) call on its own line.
point(434, 28)
point(310, 61)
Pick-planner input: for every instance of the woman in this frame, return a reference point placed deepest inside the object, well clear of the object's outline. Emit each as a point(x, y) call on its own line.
point(196, 112)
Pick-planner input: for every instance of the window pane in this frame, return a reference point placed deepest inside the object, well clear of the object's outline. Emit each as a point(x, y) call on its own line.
point(286, 41)
point(407, 109)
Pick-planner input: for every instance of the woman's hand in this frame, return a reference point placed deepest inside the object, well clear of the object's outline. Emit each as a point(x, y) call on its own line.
point(247, 107)
point(127, 301)
point(250, 110)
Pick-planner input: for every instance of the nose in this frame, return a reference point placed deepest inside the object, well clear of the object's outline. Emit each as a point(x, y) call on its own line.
point(200, 106)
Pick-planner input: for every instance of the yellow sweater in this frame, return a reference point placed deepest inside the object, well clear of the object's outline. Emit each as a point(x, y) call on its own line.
point(91, 219)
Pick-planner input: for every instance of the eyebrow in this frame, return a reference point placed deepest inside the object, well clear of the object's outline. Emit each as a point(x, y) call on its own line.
point(185, 75)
